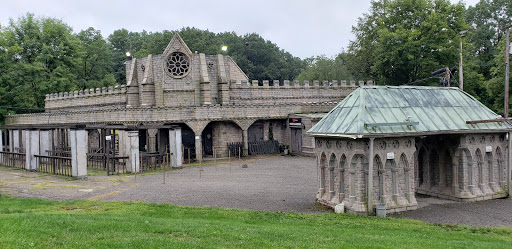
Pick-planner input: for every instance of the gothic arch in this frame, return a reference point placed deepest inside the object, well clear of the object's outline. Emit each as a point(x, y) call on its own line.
point(392, 170)
point(466, 162)
point(489, 158)
point(500, 164)
point(381, 178)
point(433, 169)
point(480, 166)
point(321, 165)
point(404, 165)
point(332, 164)
point(341, 178)
point(422, 167)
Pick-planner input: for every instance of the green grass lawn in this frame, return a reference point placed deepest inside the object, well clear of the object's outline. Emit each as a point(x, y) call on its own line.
point(36, 223)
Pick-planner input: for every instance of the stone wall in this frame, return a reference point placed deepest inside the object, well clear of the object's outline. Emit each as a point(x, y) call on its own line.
point(106, 97)
point(467, 167)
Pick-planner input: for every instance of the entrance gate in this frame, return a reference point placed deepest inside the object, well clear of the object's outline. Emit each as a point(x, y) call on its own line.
point(296, 140)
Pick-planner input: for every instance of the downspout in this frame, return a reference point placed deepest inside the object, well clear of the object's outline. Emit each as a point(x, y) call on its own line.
point(369, 187)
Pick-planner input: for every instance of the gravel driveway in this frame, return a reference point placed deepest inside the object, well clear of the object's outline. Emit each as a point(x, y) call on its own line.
point(273, 183)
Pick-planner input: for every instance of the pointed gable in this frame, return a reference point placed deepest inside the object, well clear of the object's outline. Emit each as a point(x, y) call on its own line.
point(177, 45)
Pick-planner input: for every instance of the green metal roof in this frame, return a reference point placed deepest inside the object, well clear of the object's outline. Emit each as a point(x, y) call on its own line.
point(406, 110)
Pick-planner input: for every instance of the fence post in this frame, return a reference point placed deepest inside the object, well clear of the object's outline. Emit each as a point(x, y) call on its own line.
point(78, 152)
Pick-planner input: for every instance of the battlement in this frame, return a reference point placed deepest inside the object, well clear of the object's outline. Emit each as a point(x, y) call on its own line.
point(106, 96)
point(88, 92)
point(235, 92)
point(306, 84)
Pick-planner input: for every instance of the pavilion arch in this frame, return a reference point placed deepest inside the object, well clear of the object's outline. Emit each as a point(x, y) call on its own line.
point(489, 158)
point(381, 178)
point(392, 170)
point(332, 165)
point(433, 169)
point(422, 171)
point(480, 166)
point(466, 162)
point(404, 165)
point(358, 177)
point(322, 165)
point(217, 134)
point(500, 164)
point(446, 174)
point(341, 178)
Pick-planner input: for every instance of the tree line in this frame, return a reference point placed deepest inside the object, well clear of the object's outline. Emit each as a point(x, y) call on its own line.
point(396, 42)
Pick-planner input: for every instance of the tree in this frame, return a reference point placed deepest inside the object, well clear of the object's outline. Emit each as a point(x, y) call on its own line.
point(96, 59)
point(487, 18)
point(401, 41)
point(41, 57)
point(324, 68)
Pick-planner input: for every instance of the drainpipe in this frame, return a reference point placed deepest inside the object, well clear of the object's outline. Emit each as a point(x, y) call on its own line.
point(369, 187)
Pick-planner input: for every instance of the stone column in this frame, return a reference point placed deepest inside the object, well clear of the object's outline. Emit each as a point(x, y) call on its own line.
point(331, 182)
point(455, 180)
point(152, 140)
point(78, 153)
point(11, 140)
point(199, 147)
point(44, 142)
point(32, 149)
point(15, 140)
point(245, 138)
point(133, 164)
point(175, 145)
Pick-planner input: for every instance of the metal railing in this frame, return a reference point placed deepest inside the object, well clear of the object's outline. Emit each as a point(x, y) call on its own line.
point(151, 160)
point(110, 163)
point(13, 159)
point(56, 165)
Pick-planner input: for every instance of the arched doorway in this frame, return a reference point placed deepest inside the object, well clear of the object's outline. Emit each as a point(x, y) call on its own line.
point(422, 164)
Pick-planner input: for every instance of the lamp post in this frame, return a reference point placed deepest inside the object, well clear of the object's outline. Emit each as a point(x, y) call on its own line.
point(507, 47)
point(461, 76)
point(247, 59)
point(128, 54)
point(224, 48)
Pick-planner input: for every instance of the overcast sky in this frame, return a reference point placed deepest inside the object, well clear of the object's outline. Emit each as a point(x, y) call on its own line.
point(303, 28)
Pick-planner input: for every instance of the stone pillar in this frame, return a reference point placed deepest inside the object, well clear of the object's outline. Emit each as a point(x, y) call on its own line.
point(331, 182)
point(78, 153)
point(124, 143)
point(224, 93)
point(199, 148)
point(132, 144)
point(15, 140)
point(175, 145)
point(11, 140)
point(245, 137)
point(455, 180)
point(32, 149)
point(44, 142)
point(152, 140)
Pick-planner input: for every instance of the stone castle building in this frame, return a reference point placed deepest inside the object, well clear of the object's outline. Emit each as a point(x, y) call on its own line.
point(207, 96)
point(383, 144)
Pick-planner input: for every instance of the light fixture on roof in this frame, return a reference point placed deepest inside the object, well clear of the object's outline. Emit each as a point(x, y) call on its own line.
point(224, 48)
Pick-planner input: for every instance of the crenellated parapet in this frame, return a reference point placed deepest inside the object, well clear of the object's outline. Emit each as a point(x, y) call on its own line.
point(108, 97)
point(287, 91)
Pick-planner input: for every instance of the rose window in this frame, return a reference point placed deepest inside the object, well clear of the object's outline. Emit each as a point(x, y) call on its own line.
point(177, 64)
